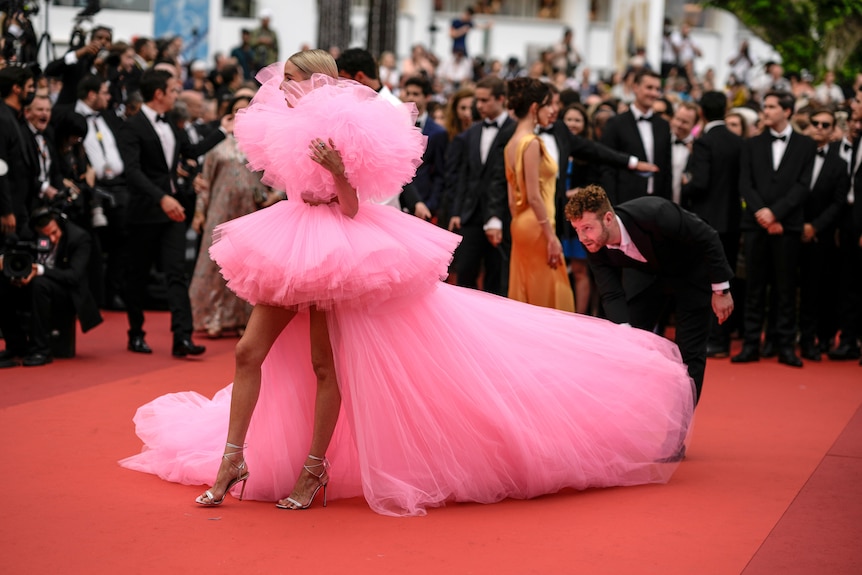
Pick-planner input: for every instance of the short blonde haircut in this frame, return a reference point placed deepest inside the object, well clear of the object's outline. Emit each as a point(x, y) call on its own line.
point(315, 62)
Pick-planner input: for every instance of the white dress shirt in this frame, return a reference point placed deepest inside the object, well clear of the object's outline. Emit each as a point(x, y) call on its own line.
point(165, 133)
point(100, 145)
point(648, 141)
point(779, 146)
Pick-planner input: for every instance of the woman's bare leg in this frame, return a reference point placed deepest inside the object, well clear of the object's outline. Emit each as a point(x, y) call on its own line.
point(326, 408)
point(264, 326)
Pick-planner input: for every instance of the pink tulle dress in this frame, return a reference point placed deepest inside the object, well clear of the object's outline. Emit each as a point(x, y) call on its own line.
point(449, 394)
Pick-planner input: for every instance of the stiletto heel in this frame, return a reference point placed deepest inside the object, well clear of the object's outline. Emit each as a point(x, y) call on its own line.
point(322, 481)
point(208, 499)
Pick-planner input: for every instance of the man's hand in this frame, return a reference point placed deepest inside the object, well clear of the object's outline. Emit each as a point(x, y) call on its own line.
point(775, 229)
point(21, 282)
point(50, 193)
point(422, 211)
point(7, 224)
point(172, 208)
point(92, 48)
point(495, 237)
point(645, 167)
point(808, 233)
point(764, 217)
point(722, 305)
point(454, 223)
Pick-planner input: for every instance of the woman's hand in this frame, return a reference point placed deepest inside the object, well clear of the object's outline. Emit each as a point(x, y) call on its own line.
point(555, 252)
point(327, 156)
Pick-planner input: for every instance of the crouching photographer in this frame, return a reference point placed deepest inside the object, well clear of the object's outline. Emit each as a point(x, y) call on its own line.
point(41, 281)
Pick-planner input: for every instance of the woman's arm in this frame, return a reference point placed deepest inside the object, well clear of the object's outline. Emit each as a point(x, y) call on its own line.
point(330, 158)
point(532, 159)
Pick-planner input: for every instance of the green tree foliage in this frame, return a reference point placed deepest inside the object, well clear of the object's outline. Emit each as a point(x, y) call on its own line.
point(815, 34)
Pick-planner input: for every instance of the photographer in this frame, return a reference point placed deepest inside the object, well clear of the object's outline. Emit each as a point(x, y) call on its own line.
point(56, 282)
point(79, 62)
point(103, 142)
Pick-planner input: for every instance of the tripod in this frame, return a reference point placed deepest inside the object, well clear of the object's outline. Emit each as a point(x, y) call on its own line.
point(45, 39)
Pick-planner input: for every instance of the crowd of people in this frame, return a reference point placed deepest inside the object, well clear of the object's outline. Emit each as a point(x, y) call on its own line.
point(79, 139)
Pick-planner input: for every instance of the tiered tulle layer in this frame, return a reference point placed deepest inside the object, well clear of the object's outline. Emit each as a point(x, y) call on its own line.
point(454, 395)
point(379, 145)
point(294, 254)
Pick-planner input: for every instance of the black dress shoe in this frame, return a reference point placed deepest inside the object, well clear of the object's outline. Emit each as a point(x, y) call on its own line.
point(747, 355)
point(36, 359)
point(810, 351)
point(789, 357)
point(713, 350)
point(844, 351)
point(138, 345)
point(769, 349)
point(186, 347)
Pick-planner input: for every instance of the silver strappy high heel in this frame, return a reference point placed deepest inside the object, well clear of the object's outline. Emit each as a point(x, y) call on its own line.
point(208, 499)
point(322, 480)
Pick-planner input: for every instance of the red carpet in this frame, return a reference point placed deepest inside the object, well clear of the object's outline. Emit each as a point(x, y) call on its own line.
point(771, 485)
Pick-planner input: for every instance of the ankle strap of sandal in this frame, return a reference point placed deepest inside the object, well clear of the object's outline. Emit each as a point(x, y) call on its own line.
point(240, 447)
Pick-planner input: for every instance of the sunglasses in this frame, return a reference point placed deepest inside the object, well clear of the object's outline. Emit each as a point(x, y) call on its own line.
point(824, 125)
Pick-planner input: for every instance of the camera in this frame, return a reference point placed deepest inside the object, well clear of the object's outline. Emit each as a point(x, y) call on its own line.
point(19, 256)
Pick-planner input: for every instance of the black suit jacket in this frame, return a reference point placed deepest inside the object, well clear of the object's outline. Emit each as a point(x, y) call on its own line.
point(572, 146)
point(713, 191)
point(828, 196)
point(71, 264)
point(783, 191)
point(481, 190)
point(621, 134)
point(681, 250)
point(148, 175)
point(18, 185)
point(430, 174)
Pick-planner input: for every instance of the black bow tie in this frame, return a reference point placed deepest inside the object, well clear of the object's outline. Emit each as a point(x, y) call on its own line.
point(821, 152)
point(490, 124)
point(548, 130)
point(678, 141)
point(782, 138)
point(645, 119)
point(162, 118)
point(847, 147)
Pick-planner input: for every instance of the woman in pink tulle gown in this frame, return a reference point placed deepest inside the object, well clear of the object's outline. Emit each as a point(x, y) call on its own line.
point(442, 393)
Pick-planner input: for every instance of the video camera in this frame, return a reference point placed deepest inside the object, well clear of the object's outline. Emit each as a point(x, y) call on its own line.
point(19, 256)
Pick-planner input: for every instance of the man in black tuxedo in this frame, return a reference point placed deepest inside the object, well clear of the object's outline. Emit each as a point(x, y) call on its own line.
point(818, 257)
point(679, 249)
point(58, 281)
point(76, 64)
point(42, 146)
point(711, 191)
point(774, 180)
point(156, 217)
point(850, 250)
point(645, 135)
point(480, 210)
point(562, 144)
point(17, 163)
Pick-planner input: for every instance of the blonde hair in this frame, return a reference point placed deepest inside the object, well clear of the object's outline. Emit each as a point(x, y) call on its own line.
point(315, 62)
